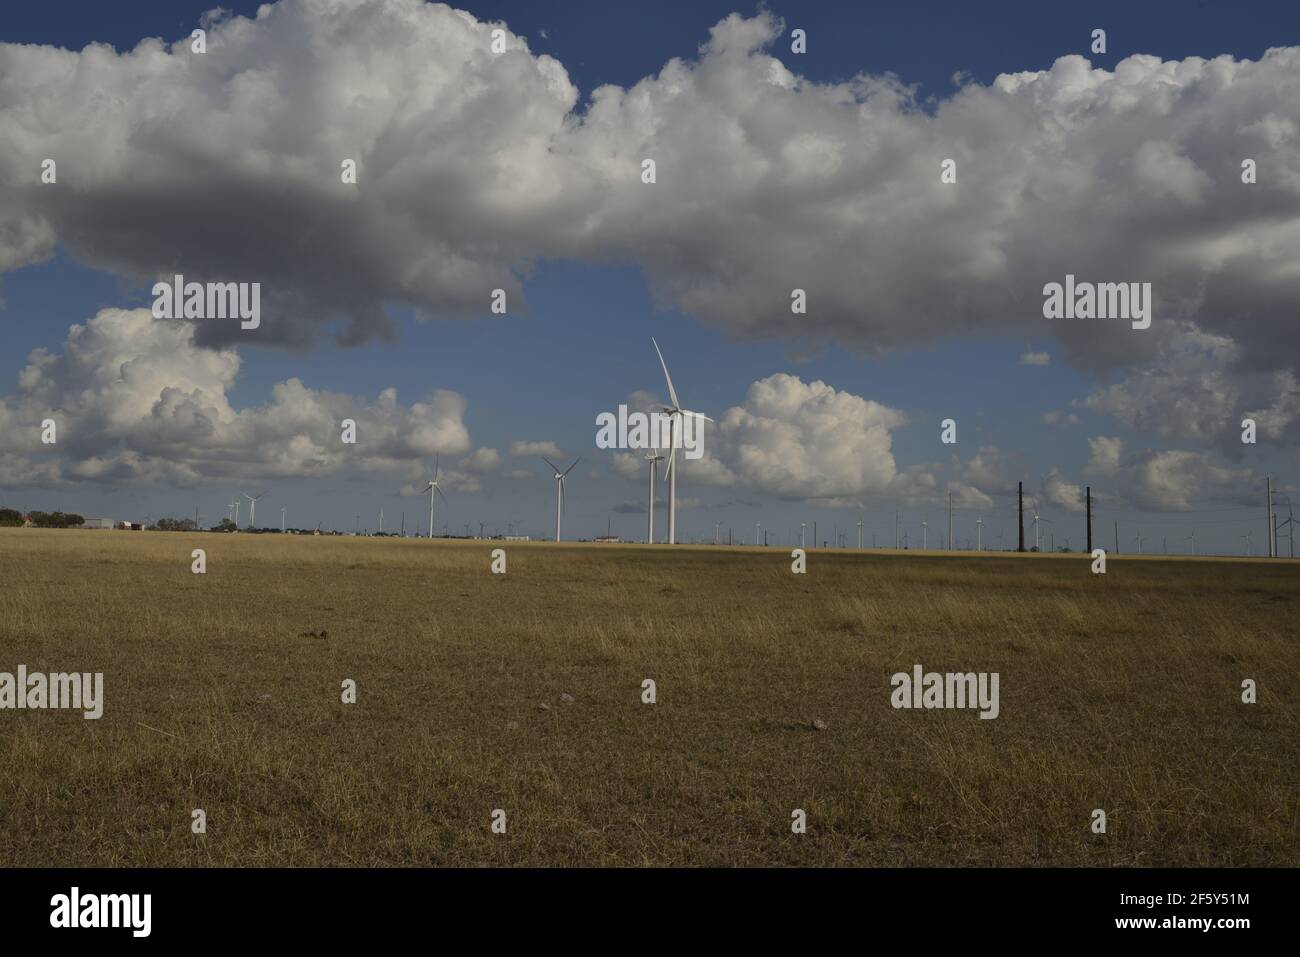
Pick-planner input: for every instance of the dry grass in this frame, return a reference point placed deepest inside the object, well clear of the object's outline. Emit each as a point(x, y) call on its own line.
point(1120, 692)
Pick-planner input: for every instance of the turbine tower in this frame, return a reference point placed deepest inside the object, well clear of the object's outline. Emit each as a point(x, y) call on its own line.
point(559, 490)
point(654, 458)
point(1192, 537)
point(859, 533)
point(675, 414)
point(433, 489)
point(979, 534)
point(252, 508)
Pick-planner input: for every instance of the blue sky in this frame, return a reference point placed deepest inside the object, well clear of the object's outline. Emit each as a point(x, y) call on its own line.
point(584, 345)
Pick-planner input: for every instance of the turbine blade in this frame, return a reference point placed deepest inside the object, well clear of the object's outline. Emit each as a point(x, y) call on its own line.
point(554, 468)
point(672, 393)
point(571, 467)
point(438, 489)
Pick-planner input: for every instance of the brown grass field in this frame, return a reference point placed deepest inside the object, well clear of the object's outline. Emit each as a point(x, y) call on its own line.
point(1120, 692)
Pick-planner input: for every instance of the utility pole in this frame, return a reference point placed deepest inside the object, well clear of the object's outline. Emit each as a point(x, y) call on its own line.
point(950, 521)
point(1020, 497)
point(1272, 542)
point(1088, 496)
point(895, 529)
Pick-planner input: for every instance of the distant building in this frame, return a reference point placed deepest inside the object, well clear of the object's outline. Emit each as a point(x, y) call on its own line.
point(97, 523)
point(607, 538)
point(518, 538)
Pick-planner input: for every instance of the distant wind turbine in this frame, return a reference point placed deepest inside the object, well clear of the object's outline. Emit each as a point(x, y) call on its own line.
point(433, 489)
point(559, 491)
point(675, 414)
point(252, 508)
point(979, 534)
point(654, 458)
point(1192, 538)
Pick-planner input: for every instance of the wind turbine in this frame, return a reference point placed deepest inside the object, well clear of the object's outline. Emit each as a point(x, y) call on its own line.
point(802, 526)
point(1193, 540)
point(252, 507)
point(924, 535)
point(230, 510)
point(654, 458)
point(559, 492)
point(859, 533)
point(237, 504)
point(282, 508)
point(1248, 549)
point(979, 534)
point(675, 413)
point(1138, 539)
point(381, 520)
point(433, 489)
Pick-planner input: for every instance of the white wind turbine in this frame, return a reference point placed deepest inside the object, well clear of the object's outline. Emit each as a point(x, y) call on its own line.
point(675, 413)
point(237, 503)
point(252, 507)
point(979, 534)
point(433, 489)
point(654, 458)
point(559, 489)
point(1192, 537)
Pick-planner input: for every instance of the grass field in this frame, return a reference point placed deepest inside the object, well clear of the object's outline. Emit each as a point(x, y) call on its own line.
point(1120, 692)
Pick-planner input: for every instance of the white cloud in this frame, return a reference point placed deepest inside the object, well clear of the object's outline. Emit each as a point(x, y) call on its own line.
point(135, 400)
point(1104, 454)
point(1058, 491)
point(473, 167)
point(1035, 359)
point(482, 460)
point(522, 449)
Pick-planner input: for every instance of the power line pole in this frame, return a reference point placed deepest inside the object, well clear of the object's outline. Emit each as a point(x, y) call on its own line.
point(1020, 497)
point(950, 521)
point(1088, 496)
point(1272, 542)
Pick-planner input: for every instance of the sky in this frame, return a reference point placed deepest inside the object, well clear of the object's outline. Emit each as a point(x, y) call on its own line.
point(775, 171)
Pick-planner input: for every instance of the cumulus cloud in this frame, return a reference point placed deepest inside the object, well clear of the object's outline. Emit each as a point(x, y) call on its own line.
point(1194, 390)
point(135, 399)
point(1104, 453)
point(522, 449)
point(1058, 491)
point(482, 460)
point(804, 440)
point(1035, 359)
point(1057, 417)
point(473, 166)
